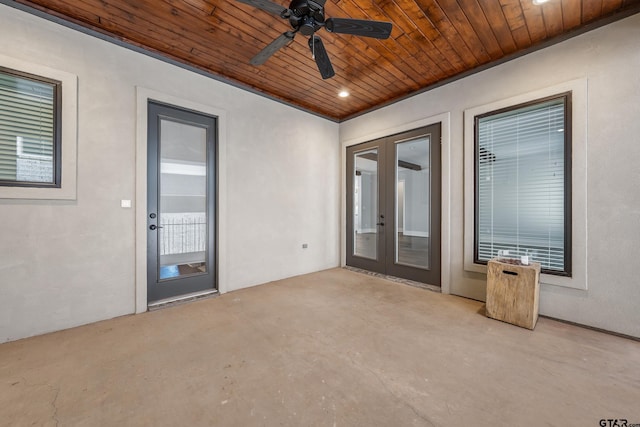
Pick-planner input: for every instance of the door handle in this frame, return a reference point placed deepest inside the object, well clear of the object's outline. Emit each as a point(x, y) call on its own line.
point(153, 227)
point(380, 223)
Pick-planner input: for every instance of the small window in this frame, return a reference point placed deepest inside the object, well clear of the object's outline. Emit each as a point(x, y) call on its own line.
point(523, 183)
point(30, 143)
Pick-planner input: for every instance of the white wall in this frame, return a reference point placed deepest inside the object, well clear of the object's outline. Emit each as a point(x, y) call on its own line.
point(609, 59)
point(67, 263)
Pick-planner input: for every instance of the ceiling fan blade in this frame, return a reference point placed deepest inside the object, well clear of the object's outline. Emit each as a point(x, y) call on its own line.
point(322, 59)
point(266, 5)
point(359, 27)
point(272, 48)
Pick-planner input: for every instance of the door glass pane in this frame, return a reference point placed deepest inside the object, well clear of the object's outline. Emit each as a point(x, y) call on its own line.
point(412, 201)
point(182, 238)
point(365, 204)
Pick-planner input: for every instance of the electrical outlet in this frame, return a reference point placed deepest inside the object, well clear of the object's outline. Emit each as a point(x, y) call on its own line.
point(305, 246)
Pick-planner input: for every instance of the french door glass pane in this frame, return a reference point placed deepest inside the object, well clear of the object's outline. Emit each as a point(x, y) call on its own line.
point(365, 204)
point(413, 196)
point(182, 237)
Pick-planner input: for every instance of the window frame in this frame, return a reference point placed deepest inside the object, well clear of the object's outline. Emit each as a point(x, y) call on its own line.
point(68, 190)
point(567, 99)
point(489, 100)
point(57, 131)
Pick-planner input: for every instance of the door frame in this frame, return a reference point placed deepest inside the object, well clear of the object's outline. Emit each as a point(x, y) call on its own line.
point(143, 96)
point(445, 162)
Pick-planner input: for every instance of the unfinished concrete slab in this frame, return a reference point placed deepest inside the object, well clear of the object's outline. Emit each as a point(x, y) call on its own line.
point(334, 348)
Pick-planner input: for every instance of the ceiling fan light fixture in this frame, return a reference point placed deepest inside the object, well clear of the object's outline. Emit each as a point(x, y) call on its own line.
point(343, 94)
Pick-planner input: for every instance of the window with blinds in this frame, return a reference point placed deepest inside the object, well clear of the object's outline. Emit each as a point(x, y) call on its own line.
point(29, 130)
point(523, 183)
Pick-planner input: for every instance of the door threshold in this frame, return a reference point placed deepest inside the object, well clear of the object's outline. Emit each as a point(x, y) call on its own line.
point(433, 288)
point(182, 299)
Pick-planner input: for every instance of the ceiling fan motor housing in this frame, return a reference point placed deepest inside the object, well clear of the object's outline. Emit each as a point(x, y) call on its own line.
point(306, 16)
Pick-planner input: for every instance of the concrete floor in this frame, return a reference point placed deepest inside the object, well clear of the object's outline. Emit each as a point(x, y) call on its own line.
point(335, 348)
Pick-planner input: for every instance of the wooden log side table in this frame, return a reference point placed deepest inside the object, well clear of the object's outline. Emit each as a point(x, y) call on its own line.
point(513, 292)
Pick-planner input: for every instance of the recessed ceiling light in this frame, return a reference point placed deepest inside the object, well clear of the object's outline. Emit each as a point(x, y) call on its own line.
point(343, 94)
point(539, 2)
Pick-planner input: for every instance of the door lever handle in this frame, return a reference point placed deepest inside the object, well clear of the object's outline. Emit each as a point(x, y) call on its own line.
point(153, 227)
point(380, 223)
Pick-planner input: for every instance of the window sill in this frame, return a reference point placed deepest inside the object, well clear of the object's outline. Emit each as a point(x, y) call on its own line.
point(545, 279)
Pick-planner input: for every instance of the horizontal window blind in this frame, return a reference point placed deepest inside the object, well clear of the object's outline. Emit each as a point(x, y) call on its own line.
point(520, 184)
point(27, 130)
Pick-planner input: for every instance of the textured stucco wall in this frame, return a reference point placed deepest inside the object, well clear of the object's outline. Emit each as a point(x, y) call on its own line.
point(67, 263)
point(607, 59)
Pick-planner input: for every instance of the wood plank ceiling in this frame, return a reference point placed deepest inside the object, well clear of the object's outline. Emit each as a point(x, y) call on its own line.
point(432, 41)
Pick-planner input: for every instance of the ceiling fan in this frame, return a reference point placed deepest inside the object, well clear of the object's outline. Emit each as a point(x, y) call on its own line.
point(307, 17)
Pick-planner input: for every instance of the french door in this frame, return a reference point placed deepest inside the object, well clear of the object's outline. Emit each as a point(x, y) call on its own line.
point(393, 205)
point(181, 221)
